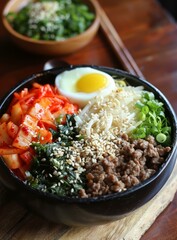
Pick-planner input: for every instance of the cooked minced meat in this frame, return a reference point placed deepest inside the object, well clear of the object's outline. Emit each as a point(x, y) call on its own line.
point(128, 163)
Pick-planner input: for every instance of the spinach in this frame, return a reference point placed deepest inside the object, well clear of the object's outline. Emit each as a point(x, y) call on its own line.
point(51, 170)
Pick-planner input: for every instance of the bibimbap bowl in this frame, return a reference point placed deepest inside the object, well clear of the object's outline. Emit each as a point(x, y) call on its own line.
point(109, 194)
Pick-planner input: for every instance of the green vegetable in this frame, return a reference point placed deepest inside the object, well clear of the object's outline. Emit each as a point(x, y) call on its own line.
point(154, 121)
point(51, 170)
point(161, 138)
point(66, 132)
point(51, 19)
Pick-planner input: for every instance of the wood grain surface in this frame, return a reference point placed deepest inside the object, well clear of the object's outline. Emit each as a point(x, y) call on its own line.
point(150, 36)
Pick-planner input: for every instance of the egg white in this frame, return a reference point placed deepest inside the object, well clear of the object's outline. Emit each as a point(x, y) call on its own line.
point(66, 84)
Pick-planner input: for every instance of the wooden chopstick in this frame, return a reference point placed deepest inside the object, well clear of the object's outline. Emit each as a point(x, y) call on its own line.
point(114, 39)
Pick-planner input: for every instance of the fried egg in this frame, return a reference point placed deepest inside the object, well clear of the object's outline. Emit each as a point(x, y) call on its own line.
point(82, 84)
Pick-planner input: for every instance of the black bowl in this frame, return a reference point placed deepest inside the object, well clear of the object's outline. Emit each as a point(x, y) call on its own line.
point(99, 210)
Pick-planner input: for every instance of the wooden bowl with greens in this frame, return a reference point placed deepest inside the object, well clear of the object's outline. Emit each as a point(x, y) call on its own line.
point(51, 27)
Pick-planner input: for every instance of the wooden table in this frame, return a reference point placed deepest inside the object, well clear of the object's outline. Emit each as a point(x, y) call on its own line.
point(150, 35)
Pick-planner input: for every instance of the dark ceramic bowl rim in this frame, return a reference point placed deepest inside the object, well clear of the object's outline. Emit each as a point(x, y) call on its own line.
point(135, 188)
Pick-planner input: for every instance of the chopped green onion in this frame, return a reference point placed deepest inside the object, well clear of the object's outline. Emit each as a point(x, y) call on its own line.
point(161, 138)
point(139, 105)
point(145, 109)
point(142, 116)
point(152, 115)
point(148, 95)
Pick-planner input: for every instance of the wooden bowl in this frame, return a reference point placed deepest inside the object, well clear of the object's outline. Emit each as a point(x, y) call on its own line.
point(43, 47)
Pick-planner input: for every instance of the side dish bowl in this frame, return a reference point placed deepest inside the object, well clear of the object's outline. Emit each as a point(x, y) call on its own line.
point(97, 210)
point(49, 47)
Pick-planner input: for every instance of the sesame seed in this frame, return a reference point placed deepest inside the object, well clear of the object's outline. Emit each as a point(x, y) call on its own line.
point(55, 173)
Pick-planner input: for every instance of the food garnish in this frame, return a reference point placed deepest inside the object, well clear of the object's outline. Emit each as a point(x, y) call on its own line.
point(154, 121)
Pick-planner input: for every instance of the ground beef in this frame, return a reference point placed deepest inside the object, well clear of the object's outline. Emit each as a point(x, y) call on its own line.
point(133, 162)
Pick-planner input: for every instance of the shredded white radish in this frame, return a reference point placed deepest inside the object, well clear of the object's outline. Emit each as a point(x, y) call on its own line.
point(115, 112)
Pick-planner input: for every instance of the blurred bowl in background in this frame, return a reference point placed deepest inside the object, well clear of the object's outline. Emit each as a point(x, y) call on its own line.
point(49, 47)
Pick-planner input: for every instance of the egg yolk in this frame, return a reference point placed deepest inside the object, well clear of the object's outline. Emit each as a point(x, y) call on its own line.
point(91, 83)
